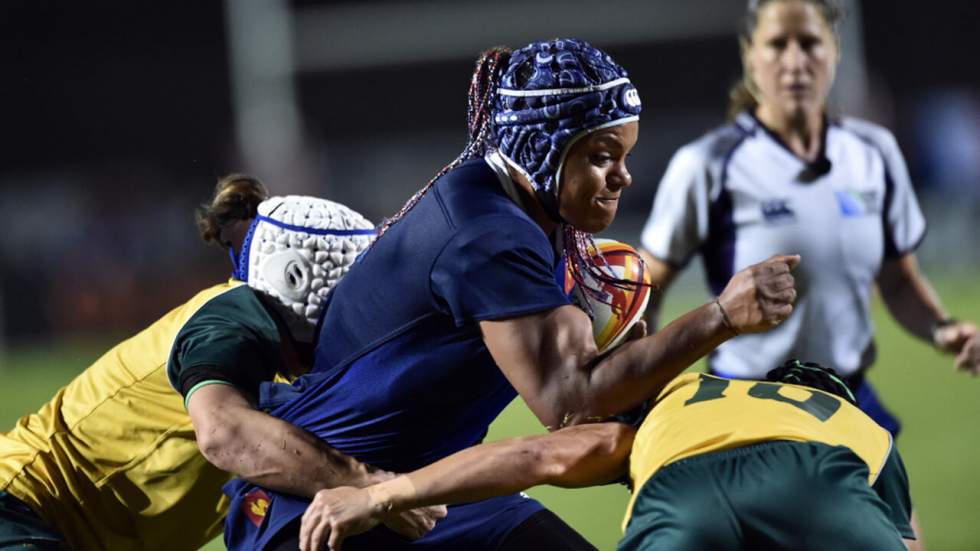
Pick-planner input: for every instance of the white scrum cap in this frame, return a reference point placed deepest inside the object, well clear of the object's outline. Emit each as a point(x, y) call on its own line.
point(298, 247)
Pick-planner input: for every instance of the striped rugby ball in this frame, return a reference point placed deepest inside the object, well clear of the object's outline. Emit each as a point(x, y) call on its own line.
point(613, 318)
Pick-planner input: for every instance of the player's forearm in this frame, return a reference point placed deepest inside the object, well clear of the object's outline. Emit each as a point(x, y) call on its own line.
point(576, 385)
point(756, 299)
point(639, 369)
point(574, 457)
point(277, 455)
point(269, 451)
point(485, 471)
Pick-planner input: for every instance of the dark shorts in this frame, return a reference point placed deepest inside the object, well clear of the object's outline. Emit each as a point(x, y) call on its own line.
point(774, 495)
point(21, 528)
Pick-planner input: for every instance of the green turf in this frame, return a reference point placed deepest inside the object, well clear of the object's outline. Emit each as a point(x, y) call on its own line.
point(939, 409)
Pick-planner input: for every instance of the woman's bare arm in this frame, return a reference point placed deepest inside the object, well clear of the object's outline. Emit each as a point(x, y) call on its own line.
point(551, 359)
point(915, 305)
point(583, 455)
point(237, 438)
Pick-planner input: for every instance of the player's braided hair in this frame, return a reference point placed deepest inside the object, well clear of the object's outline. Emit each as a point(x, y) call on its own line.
point(580, 252)
point(812, 375)
point(236, 198)
point(479, 116)
point(741, 96)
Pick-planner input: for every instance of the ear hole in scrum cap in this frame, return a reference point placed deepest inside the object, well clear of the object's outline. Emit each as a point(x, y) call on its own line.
point(288, 273)
point(299, 247)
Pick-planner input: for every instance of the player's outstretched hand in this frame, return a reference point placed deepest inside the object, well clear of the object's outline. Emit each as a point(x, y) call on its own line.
point(339, 513)
point(761, 296)
point(335, 514)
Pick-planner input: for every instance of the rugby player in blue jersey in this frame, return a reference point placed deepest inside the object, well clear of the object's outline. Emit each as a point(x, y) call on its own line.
point(456, 309)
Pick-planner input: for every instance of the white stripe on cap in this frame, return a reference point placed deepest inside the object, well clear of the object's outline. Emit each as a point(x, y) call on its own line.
point(563, 91)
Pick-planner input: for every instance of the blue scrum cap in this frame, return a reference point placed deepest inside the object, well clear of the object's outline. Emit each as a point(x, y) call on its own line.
point(552, 94)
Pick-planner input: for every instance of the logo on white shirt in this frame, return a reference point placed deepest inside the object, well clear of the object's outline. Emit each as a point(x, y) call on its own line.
point(777, 211)
point(856, 203)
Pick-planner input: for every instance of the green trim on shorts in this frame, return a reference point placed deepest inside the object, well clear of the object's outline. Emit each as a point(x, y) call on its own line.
point(201, 385)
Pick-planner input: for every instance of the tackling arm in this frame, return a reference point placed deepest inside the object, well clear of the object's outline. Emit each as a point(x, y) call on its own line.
point(575, 457)
point(235, 437)
point(578, 456)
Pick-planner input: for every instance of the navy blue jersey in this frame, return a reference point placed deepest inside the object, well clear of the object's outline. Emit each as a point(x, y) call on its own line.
point(402, 377)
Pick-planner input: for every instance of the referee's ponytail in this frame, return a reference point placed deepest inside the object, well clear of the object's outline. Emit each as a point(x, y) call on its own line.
point(812, 375)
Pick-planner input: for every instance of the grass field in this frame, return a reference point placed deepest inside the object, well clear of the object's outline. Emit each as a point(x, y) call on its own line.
point(940, 409)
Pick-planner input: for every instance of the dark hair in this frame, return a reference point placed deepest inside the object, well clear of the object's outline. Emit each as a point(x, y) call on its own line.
point(740, 96)
point(236, 198)
point(812, 375)
point(479, 117)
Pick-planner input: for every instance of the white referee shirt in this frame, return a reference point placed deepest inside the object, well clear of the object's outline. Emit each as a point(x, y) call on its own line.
point(738, 195)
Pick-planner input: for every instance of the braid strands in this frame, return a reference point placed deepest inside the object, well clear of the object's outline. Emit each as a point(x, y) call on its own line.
point(478, 118)
point(588, 272)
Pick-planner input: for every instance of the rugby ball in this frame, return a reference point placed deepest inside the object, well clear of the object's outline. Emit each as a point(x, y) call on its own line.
point(620, 307)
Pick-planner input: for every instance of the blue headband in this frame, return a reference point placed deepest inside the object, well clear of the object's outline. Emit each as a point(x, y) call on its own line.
point(551, 94)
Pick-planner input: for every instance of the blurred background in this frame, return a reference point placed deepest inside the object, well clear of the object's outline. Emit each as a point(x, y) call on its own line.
point(118, 117)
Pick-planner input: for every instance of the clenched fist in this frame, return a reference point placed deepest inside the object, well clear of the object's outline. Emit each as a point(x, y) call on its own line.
point(761, 296)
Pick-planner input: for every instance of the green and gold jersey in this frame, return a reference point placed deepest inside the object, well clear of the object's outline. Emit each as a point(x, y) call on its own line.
point(111, 461)
point(698, 413)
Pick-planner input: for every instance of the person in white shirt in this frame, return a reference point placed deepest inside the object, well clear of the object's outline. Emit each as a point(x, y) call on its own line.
point(785, 177)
